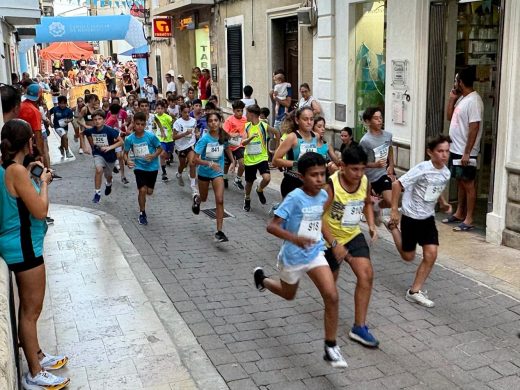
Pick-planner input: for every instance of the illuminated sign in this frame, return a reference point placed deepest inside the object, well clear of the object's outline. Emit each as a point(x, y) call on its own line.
point(187, 23)
point(162, 28)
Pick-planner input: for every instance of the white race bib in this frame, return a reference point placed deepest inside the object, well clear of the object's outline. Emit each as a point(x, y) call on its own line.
point(254, 148)
point(352, 213)
point(62, 123)
point(381, 152)
point(433, 191)
point(100, 140)
point(141, 150)
point(235, 141)
point(304, 148)
point(214, 151)
point(310, 228)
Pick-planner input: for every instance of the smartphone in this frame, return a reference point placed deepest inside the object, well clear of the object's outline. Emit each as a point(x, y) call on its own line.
point(36, 171)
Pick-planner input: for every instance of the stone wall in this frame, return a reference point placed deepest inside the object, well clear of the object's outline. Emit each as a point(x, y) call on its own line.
point(511, 234)
point(8, 372)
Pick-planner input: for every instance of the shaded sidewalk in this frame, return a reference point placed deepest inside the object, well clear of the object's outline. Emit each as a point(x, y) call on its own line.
point(107, 312)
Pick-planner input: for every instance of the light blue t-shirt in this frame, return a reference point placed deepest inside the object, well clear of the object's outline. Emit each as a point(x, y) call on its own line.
point(141, 146)
point(302, 214)
point(210, 150)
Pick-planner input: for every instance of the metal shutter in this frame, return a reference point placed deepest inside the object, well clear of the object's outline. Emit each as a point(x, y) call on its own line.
point(234, 62)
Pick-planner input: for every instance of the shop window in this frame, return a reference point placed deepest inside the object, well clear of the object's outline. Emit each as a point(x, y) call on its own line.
point(370, 42)
point(234, 62)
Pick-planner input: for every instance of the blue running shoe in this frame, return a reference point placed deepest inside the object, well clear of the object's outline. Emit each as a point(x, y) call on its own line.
point(142, 219)
point(362, 335)
point(97, 198)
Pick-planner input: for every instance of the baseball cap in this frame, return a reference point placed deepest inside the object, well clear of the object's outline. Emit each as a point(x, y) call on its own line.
point(33, 92)
point(180, 76)
point(171, 73)
point(148, 77)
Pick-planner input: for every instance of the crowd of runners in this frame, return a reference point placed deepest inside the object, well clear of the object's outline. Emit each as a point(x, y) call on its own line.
point(327, 194)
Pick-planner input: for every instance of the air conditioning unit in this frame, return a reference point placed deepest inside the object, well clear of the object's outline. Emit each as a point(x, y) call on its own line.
point(306, 16)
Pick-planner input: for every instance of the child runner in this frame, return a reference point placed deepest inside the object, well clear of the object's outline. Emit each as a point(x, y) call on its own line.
point(117, 119)
point(184, 135)
point(146, 148)
point(377, 144)
point(298, 222)
point(103, 140)
point(256, 157)
point(325, 149)
point(235, 127)
point(62, 116)
point(209, 156)
point(78, 132)
point(423, 186)
point(349, 198)
point(165, 134)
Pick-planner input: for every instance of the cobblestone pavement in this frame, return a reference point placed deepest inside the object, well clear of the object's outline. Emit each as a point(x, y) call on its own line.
point(257, 340)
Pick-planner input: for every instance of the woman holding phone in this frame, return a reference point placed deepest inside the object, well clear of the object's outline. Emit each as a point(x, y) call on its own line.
point(24, 203)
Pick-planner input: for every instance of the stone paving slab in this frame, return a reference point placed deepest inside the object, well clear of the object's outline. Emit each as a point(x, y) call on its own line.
point(257, 340)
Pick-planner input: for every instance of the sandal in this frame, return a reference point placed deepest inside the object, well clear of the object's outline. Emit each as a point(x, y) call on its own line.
point(451, 219)
point(463, 228)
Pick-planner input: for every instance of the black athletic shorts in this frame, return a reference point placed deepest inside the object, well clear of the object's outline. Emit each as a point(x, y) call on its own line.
point(357, 247)
point(250, 171)
point(205, 178)
point(184, 153)
point(290, 182)
point(145, 178)
point(461, 172)
point(418, 231)
point(237, 153)
point(384, 183)
point(26, 264)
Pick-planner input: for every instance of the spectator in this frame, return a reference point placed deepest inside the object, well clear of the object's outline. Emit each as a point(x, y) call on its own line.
point(248, 99)
point(11, 100)
point(170, 80)
point(308, 100)
point(346, 139)
point(185, 85)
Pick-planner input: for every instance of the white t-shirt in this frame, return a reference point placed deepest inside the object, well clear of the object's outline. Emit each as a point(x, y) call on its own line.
point(248, 102)
point(306, 103)
point(423, 184)
point(171, 87)
point(282, 90)
point(182, 126)
point(468, 109)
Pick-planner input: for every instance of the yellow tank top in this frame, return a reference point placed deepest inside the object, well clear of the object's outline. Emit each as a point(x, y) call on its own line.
point(345, 212)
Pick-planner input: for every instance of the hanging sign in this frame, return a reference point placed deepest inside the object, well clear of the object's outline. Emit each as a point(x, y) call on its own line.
point(162, 28)
point(187, 23)
point(140, 55)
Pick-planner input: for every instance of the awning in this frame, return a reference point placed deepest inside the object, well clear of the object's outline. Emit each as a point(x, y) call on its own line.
point(65, 50)
point(181, 6)
point(21, 12)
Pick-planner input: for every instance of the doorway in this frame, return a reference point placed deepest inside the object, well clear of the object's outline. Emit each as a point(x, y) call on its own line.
point(467, 34)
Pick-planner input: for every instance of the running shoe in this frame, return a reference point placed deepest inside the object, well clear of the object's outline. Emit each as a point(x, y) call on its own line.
point(259, 277)
point(142, 219)
point(164, 178)
point(362, 335)
point(420, 297)
point(115, 169)
point(56, 176)
point(97, 198)
point(49, 220)
point(44, 380)
point(50, 362)
point(238, 184)
point(196, 204)
point(385, 216)
point(168, 162)
point(69, 154)
point(261, 196)
point(80, 151)
point(334, 357)
point(108, 189)
point(220, 236)
point(247, 205)
point(180, 180)
point(62, 151)
point(226, 183)
point(124, 180)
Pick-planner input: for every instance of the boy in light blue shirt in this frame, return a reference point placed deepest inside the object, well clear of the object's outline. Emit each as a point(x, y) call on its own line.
point(298, 222)
point(146, 148)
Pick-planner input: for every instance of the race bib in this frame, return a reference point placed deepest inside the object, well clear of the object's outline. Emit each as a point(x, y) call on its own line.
point(433, 191)
point(254, 148)
point(381, 152)
point(235, 141)
point(141, 150)
point(214, 151)
point(304, 148)
point(100, 140)
point(310, 227)
point(352, 213)
point(62, 123)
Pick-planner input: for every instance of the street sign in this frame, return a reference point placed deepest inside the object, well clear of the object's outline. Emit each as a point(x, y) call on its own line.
point(162, 28)
point(140, 55)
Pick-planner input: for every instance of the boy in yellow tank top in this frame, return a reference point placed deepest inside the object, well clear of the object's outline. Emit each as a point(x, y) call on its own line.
point(349, 198)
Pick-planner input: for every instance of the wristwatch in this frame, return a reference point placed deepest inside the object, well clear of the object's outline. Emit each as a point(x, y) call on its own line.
point(334, 243)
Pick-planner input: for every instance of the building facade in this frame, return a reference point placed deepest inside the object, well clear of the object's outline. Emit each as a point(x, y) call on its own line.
point(402, 55)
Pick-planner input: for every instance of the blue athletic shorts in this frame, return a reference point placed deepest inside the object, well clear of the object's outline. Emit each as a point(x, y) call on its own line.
point(168, 146)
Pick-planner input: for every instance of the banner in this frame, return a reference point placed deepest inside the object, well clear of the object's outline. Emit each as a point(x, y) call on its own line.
point(202, 47)
point(77, 91)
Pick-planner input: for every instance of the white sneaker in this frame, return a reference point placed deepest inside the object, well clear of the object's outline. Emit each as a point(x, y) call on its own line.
point(420, 297)
point(180, 179)
point(50, 362)
point(44, 380)
point(334, 357)
point(80, 151)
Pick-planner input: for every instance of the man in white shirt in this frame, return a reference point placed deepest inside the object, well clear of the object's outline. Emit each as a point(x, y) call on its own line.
point(185, 85)
point(170, 80)
point(465, 111)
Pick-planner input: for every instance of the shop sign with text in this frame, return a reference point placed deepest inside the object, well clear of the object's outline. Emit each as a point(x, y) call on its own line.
point(162, 28)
